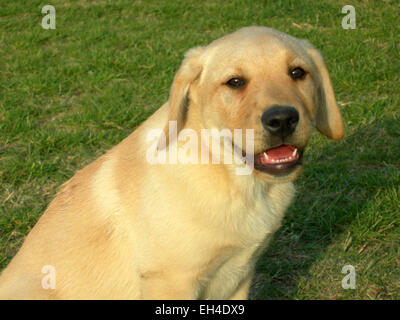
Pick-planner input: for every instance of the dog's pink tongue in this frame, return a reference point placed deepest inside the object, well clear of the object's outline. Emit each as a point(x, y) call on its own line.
point(281, 154)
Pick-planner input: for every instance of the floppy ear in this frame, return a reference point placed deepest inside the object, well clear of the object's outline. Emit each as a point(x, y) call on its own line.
point(327, 120)
point(178, 101)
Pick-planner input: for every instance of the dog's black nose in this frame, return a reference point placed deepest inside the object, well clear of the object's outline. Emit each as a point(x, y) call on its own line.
point(280, 120)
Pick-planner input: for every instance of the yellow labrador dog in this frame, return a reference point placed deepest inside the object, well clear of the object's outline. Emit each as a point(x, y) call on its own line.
point(126, 227)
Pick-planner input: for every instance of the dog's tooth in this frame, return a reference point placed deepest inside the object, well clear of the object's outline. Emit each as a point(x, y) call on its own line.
point(294, 152)
point(265, 156)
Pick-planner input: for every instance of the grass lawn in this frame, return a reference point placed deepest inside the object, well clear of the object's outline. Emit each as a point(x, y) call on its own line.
point(68, 95)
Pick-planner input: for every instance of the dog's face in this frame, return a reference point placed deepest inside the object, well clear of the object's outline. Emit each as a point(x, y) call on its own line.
point(261, 79)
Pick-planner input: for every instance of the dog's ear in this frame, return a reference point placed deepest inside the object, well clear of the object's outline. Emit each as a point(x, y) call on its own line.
point(327, 120)
point(178, 101)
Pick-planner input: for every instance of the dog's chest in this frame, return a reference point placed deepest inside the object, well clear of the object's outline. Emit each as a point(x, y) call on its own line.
point(252, 234)
point(263, 214)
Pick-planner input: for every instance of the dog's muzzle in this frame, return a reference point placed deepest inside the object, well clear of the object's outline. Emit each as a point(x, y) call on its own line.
point(280, 121)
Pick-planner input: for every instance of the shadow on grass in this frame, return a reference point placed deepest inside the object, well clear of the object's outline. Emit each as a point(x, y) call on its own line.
point(339, 180)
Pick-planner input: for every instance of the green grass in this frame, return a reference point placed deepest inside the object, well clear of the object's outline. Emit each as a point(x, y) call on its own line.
point(68, 95)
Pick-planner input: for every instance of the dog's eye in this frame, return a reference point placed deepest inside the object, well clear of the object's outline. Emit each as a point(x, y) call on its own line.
point(236, 83)
point(297, 73)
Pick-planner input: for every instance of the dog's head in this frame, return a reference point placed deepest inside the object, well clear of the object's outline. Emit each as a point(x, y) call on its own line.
point(262, 79)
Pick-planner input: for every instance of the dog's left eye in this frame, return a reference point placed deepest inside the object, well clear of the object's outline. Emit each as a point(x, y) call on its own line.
point(297, 73)
point(236, 83)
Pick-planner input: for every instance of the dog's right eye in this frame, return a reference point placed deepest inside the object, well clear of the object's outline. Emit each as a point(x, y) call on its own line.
point(297, 73)
point(236, 83)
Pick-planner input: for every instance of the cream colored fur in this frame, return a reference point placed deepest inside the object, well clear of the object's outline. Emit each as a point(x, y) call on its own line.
point(122, 228)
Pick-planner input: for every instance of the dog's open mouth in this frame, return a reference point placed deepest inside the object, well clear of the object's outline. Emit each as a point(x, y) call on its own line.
point(278, 160)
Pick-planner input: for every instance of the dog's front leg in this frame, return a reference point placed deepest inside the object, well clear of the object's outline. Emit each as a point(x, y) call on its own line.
point(169, 287)
point(242, 291)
